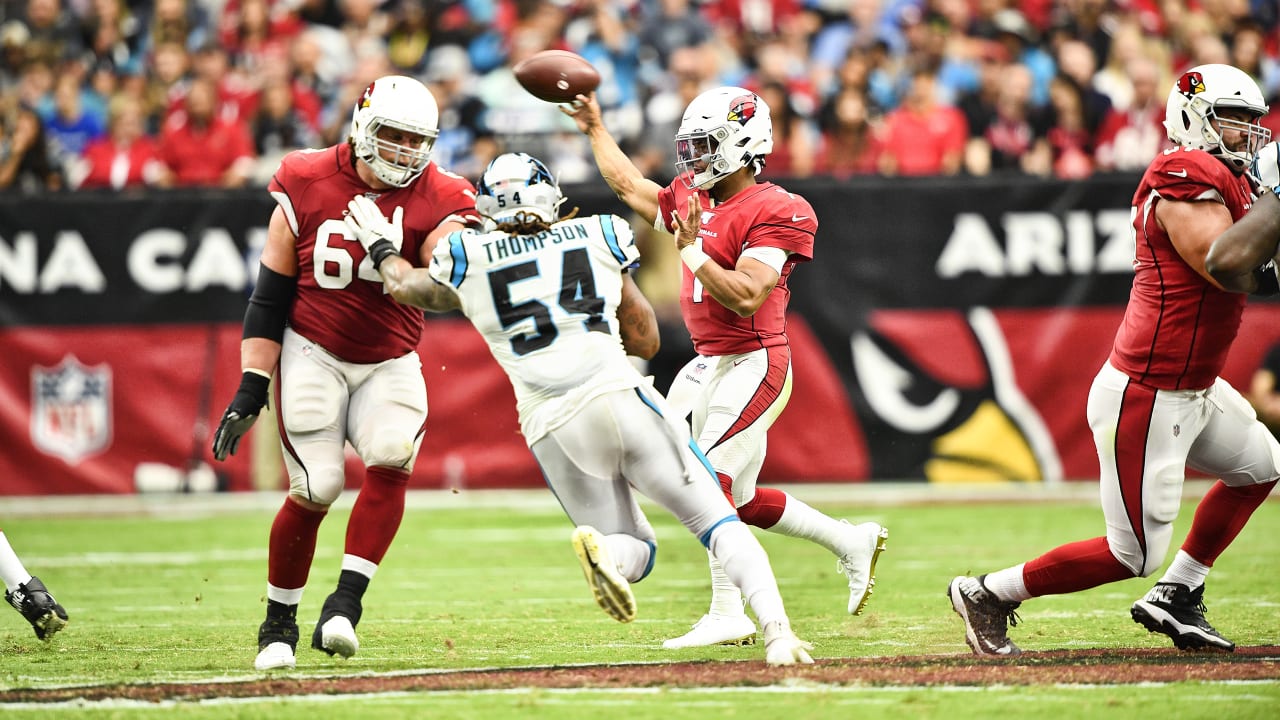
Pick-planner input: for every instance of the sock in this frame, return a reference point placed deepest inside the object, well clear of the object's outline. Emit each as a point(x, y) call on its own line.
point(1073, 567)
point(377, 513)
point(1220, 517)
point(633, 556)
point(1186, 570)
point(799, 520)
point(281, 610)
point(291, 548)
point(1007, 584)
point(726, 598)
point(745, 562)
point(11, 569)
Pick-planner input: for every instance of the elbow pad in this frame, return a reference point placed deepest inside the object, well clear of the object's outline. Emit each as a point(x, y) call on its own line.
point(269, 305)
point(1268, 282)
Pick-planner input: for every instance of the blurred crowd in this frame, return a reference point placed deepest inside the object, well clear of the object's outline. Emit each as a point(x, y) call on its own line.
point(173, 93)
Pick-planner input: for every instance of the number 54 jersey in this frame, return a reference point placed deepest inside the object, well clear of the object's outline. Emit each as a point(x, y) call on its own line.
point(547, 305)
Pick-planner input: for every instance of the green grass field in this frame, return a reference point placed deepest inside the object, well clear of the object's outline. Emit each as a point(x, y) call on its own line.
point(175, 595)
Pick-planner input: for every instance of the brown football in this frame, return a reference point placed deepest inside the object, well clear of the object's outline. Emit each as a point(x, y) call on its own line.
point(557, 75)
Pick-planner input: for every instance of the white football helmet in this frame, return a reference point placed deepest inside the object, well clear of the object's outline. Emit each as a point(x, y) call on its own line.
point(1192, 106)
point(722, 130)
point(515, 183)
point(402, 103)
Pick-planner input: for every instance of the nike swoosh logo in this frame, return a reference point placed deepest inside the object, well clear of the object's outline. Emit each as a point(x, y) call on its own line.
point(798, 218)
point(1181, 173)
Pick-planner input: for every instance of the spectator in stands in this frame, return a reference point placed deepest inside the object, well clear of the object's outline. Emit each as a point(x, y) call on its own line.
point(278, 128)
point(127, 157)
point(1127, 45)
point(1130, 139)
point(167, 81)
point(24, 153)
point(336, 120)
point(202, 149)
point(464, 145)
point(1077, 61)
point(254, 32)
point(53, 33)
point(1011, 28)
point(177, 21)
point(692, 71)
point(113, 35)
point(923, 136)
point(1070, 141)
point(68, 126)
point(667, 26)
point(1013, 139)
point(849, 145)
point(409, 38)
point(365, 25)
point(794, 136)
point(236, 90)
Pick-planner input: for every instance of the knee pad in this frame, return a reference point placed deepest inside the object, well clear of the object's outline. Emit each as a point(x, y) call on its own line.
point(392, 448)
point(322, 487)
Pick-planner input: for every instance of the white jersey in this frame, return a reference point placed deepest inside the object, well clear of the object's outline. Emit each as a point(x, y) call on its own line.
point(547, 306)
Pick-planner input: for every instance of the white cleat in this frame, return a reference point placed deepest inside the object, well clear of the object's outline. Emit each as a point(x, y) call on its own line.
point(715, 629)
point(275, 656)
point(782, 647)
point(339, 637)
point(864, 543)
point(611, 589)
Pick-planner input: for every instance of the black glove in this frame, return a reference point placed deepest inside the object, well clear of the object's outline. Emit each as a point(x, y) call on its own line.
point(240, 414)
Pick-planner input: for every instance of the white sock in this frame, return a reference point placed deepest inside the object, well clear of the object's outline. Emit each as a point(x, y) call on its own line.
point(630, 554)
point(284, 596)
point(726, 598)
point(1007, 584)
point(1186, 570)
point(802, 521)
point(360, 565)
point(745, 561)
point(11, 569)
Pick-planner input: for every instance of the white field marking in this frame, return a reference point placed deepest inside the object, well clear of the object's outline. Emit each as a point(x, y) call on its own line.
point(610, 697)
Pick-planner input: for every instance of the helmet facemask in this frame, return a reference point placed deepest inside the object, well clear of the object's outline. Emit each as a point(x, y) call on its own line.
point(398, 103)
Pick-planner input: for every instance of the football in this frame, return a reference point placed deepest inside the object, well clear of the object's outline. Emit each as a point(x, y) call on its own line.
point(557, 75)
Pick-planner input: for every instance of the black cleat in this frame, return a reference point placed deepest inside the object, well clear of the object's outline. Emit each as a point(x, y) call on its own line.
point(1178, 611)
point(33, 600)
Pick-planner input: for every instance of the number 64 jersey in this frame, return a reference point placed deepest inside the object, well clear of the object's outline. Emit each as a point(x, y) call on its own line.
point(547, 305)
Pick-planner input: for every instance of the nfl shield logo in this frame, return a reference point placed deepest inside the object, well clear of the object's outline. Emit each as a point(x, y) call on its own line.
point(71, 409)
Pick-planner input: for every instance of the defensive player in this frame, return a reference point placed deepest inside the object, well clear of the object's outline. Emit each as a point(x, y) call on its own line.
point(1158, 405)
point(345, 351)
point(745, 239)
point(556, 305)
point(28, 595)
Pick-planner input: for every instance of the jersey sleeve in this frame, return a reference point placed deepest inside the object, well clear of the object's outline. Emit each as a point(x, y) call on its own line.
point(449, 261)
point(286, 186)
point(454, 196)
point(790, 225)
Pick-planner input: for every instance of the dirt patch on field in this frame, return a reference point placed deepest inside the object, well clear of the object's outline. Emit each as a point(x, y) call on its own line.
point(1055, 667)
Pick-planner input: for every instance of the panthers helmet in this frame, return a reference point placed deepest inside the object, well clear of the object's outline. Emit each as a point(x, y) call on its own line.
point(1193, 104)
point(722, 131)
point(516, 183)
point(399, 102)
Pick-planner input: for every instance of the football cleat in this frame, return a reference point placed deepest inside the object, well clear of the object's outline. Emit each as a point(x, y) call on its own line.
point(716, 629)
point(33, 600)
point(1178, 611)
point(986, 617)
point(335, 631)
point(864, 543)
point(278, 640)
point(611, 589)
point(782, 647)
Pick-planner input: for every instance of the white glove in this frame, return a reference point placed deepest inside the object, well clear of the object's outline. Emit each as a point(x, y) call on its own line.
point(378, 236)
point(1266, 167)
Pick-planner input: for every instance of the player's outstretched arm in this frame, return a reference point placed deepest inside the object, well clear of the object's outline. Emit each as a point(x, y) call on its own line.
point(624, 178)
point(1241, 258)
point(637, 322)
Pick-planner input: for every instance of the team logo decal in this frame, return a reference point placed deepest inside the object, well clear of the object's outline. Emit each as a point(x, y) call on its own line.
point(1191, 83)
point(71, 409)
point(368, 95)
point(742, 109)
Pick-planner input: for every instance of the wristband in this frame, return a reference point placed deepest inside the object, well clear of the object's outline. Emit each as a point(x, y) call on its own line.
point(380, 250)
point(693, 257)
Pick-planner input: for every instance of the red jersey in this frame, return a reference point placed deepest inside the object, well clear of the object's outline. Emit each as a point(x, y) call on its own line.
point(200, 155)
point(763, 215)
point(341, 304)
point(111, 166)
point(1178, 326)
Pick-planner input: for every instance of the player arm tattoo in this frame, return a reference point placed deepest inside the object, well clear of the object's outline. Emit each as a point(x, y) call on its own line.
point(415, 286)
point(1241, 258)
point(637, 322)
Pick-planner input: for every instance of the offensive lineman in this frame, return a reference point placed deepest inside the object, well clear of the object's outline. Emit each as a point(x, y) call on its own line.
point(739, 240)
point(556, 305)
point(1158, 405)
point(346, 352)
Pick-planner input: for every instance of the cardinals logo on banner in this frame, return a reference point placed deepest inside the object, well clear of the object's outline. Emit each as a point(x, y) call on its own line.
point(71, 409)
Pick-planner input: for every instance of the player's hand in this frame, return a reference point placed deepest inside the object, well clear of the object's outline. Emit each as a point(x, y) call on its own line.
point(1266, 167)
point(379, 237)
point(585, 111)
point(687, 227)
point(240, 414)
